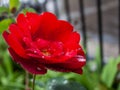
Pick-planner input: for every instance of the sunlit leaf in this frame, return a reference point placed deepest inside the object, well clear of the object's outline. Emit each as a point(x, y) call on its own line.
point(110, 71)
point(14, 5)
point(98, 60)
point(4, 24)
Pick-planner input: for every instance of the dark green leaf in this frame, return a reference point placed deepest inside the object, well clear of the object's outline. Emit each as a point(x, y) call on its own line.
point(63, 84)
point(3, 10)
point(118, 87)
point(7, 64)
point(28, 10)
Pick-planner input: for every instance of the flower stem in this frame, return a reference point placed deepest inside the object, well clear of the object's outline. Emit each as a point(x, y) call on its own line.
point(27, 81)
point(34, 76)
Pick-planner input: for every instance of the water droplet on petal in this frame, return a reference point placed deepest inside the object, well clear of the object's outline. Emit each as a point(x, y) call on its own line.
point(79, 49)
point(80, 58)
point(38, 68)
point(35, 51)
point(43, 56)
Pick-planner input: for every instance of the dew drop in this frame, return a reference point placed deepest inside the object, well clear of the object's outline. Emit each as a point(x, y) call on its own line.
point(38, 68)
point(53, 81)
point(65, 82)
point(35, 51)
point(43, 56)
point(80, 58)
point(79, 49)
point(50, 87)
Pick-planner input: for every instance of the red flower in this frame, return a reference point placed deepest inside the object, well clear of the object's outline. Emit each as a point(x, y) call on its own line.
point(41, 42)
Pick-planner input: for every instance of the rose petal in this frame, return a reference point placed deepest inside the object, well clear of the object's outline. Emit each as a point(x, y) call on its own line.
point(55, 67)
point(56, 48)
point(16, 46)
point(48, 25)
point(12, 42)
point(63, 32)
point(15, 30)
point(33, 22)
point(32, 66)
point(41, 43)
point(77, 61)
point(74, 63)
point(5, 35)
point(52, 59)
point(78, 71)
point(58, 68)
point(24, 26)
point(72, 42)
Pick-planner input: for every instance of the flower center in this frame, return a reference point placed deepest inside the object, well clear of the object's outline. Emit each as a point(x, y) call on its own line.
point(45, 52)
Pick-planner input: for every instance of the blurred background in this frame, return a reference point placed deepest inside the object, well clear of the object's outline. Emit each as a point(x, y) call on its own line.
point(97, 21)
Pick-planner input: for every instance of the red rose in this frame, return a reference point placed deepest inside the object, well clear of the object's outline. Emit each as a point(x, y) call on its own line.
point(41, 42)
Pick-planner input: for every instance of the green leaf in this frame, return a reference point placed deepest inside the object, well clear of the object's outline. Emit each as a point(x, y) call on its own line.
point(28, 10)
point(63, 84)
point(2, 72)
point(87, 79)
point(118, 87)
point(7, 63)
point(4, 24)
point(3, 10)
point(109, 72)
point(3, 46)
point(14, 5)
point(98, 60)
